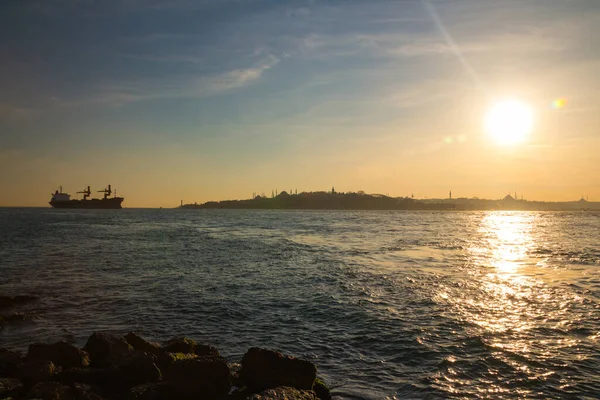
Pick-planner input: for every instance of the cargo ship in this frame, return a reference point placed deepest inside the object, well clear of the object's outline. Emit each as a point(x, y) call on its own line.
point(63, 200)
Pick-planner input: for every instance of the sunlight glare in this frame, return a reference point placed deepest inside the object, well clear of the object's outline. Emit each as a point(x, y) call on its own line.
point(509, 121)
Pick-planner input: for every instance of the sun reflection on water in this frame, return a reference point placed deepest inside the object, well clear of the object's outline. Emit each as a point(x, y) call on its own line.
point(504, 303)
point(502, 252)
point(508, 240)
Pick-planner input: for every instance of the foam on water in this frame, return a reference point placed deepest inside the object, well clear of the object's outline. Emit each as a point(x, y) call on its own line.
point(387, 304)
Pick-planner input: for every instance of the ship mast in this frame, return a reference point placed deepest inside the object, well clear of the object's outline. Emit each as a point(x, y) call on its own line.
point(86, 193)
point(107, 192)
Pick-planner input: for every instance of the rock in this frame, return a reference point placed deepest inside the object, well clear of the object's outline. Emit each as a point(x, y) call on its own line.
point(31, 372)
point(9, 361)
point(284, 393)
point(106, 349)
point(2, 323)
point(22, 299)
point(180, 345)
point(10, 387)
point(166, 360)
point(6, 301)
point(321, 390)
point(94, 377)
point(150, 391)
point(265, 369)
point(201, 376)
point(205, 350)
point(141, 344)
point(61, 353)
point(138, 369)
point(49, 391)
point(234, 372)
point(81, 391)
point(17, 317)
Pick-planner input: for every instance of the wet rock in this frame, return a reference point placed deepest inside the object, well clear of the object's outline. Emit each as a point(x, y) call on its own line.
point(9, 361)
point(138, 369)
point(80, 391)
point(234, 372)
point(31, 372)
point(166, 360)
point(61, 353)
point(141, 344)
point(107, 381)
point(150, 391)
point(17, 317)
point(10, 387)
point(284, 393)
point(206, 376)
point(6, 301)
point(265, 369)
point(106, 349)
point(321, 390)
point(94, 377)
point(49, 391)
point(180, 345)
point(204, 350)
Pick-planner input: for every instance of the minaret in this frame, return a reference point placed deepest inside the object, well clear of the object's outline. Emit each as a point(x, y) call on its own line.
point(450, 196)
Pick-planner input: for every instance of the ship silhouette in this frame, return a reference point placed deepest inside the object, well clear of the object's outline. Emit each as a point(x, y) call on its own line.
point(63, 200)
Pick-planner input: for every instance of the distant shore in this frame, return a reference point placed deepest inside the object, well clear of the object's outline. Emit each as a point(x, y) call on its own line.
point(361, 201)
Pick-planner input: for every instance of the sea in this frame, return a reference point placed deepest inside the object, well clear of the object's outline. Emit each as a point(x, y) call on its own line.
point(387, 304)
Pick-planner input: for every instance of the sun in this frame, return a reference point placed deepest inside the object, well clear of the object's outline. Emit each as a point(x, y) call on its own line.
point(509, 121)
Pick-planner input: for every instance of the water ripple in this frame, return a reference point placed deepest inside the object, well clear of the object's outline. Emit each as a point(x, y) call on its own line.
point(387, 304)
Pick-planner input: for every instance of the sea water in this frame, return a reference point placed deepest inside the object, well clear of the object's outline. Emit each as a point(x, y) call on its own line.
point(387, 304)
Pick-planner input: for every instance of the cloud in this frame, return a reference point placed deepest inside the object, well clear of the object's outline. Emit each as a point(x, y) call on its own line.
point(233, 79)
point(118, 93)
point(14, 113)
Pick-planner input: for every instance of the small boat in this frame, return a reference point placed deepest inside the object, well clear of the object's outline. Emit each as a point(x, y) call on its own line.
point(63, 200)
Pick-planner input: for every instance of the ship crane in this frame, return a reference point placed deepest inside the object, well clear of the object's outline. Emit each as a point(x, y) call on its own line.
point(107, 192)
point(86, 193)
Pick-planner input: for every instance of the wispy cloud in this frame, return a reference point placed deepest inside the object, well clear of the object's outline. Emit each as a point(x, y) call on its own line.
point(124, 92)
point(14, 113)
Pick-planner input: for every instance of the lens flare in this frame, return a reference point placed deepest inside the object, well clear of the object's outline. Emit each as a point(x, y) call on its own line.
point(559, 103)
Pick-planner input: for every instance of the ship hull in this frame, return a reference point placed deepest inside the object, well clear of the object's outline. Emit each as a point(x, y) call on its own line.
point(112, 203)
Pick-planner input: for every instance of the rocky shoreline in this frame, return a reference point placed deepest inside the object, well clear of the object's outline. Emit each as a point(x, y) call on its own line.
point(130, 367)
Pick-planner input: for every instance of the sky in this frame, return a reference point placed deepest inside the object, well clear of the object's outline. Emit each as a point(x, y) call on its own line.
point(170, 100)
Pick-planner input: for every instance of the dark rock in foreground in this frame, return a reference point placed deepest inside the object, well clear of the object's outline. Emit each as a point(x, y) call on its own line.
point(105, 348)
point(9, 361)
point(10, 387)
point(138, 369)
point(180, 345)
point(7, 301)
point(284, 393)
point(48, 391)
point(31, 372)
point(113, 367)
point(208, 376)
point(62, 353)
point(265, 369)
point(141, 344)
